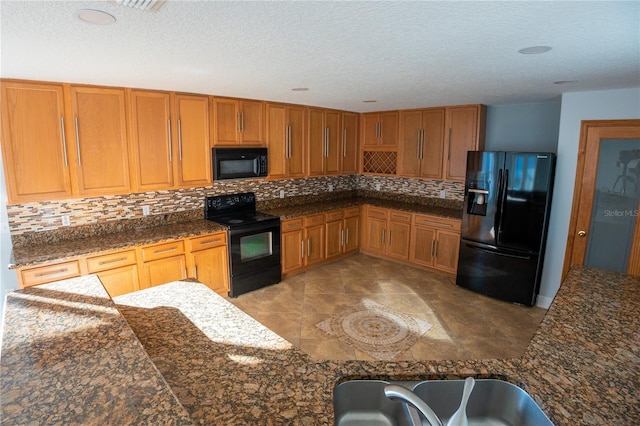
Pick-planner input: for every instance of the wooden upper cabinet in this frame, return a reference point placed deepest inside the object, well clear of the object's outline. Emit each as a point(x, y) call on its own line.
point(236, 122)
point(324, 142)
point(33, 142)
point(286, 137)
point(349, 143)
point(151, 142)
point(100, 134)
point(422, 138)
point(380, 129)
point(465, 126)
point(192, 135)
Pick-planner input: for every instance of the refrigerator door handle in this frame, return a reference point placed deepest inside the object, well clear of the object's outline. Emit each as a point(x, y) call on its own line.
point(498, 253)
point(496, 219)
point(502, 200)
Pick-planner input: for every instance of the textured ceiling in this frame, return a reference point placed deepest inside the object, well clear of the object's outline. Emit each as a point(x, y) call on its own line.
point(402, 54)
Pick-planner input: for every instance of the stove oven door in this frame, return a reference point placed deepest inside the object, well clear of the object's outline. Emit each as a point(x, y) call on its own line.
point(254, 254)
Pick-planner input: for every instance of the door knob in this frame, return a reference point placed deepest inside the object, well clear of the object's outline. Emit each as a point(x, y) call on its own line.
point(582, 233)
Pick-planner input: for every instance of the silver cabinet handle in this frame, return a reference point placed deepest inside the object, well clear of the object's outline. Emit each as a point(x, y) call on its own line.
point(389, 237)
point(170, 150)
point(421, 143)
point(111, 262)
point(342, 237)
point(347, 232)
point(344, 143)
point(51, 273)
point(383, 232)
point(206, 243)
point(435, 248)
point(195, 271)
point(185, 273)
point(78, 142)
point(432, 248)
point(326, 143)
point(287, 147)
point(179, 140)
point(378, 129)
point(302, 248)
point(242, 120)
point(64, 143)
point(308, 247)
point(449, 145)
point(418, 145)
point(239, 122)
point(165, 251)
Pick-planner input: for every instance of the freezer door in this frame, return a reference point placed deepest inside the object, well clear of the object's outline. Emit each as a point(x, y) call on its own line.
point(505, 275)
point(525, 201)
point(481, 194)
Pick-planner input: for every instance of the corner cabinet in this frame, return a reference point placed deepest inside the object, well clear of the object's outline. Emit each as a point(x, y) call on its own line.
point(236, 122)
point(380, 129)
point(435, 242)
point(33, 116)
point(465, 126)
point(387, 232)
point(341, 232)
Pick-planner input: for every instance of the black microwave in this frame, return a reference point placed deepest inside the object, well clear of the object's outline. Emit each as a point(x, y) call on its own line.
point(239, 163)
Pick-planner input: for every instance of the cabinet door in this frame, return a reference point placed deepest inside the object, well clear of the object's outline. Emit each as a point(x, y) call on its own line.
point(121, 280)
point(432, 143)
point(389, 128)
point(165, 270)
point(411, 147)
point(376, 234)
point(277, 140)
point(152, 151)
point(226, 125)
point(398, 239)
point(316, 145)
point(351, 227)
point(33, 142)
point(333, 152)
point(422, 242)
point(370, 125)
point(292, 250)
point(211, 268)
point(334, 240)
point(314, 250)
point(297, 141)
point(349, 143)
point(446, 250)
point(463, 126)
point(251, 117)
point(101, 140)
point(194, 153)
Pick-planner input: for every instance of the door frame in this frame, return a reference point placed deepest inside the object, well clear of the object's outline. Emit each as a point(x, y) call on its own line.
point(585, 126)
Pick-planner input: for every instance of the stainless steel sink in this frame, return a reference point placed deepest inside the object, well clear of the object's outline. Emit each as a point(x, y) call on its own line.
point(492, 402)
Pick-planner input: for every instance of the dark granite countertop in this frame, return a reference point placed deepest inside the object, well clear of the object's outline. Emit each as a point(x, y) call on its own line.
point(59, 361)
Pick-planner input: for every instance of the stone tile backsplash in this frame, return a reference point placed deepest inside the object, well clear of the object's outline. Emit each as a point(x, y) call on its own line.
point(47, 216)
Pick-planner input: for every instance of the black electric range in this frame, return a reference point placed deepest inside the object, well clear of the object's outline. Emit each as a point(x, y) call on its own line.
point(253, 243)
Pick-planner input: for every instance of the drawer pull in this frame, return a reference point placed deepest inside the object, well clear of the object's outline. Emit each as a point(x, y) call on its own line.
point(165, 251)
point(110, 262)
point(51, 273)
point(206, 243)
point(427, 222)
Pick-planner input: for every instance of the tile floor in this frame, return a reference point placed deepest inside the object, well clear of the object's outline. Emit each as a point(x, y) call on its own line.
point(466, 325)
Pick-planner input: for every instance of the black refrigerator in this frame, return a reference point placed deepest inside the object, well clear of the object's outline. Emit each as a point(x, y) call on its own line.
point(507, 199)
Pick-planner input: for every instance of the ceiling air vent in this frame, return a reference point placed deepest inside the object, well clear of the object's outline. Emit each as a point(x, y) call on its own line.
point(141, 4)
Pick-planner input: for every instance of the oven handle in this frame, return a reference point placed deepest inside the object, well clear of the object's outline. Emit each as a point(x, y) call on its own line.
point(252, 230)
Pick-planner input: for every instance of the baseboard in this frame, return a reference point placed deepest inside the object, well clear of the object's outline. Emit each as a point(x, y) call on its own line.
point(544, 301)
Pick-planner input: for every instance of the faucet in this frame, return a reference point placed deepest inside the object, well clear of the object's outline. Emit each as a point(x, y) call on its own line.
point(404, 394)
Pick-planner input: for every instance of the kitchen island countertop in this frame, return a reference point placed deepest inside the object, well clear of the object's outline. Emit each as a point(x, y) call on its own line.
point(225, 368)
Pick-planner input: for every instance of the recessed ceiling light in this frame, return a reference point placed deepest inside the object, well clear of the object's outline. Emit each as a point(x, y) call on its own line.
point(300, 89)
point(96, 17)
point(565, 81)
point(534, 50)
point(370, 101)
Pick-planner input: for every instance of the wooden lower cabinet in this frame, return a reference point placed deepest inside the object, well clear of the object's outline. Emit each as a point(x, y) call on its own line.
point(118, 271)
point(302, 242)
point(388, 232)
point(435, 242)
point(163, 263)
point(42, 274)
point(208, 261)
point(341, 232)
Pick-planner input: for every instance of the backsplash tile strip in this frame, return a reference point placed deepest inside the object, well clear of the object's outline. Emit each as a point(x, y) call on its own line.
point(117, 213)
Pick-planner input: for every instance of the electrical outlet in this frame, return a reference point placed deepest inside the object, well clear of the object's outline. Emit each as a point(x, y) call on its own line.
point(377, 187)
point(330, 187)
point(282, 193)
point(66, 221)
point(443, 193)
point(145, 210)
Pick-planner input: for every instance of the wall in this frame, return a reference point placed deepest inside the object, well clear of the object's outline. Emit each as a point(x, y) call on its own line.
point(8, 278)
point(578, 106)
point(523, 127)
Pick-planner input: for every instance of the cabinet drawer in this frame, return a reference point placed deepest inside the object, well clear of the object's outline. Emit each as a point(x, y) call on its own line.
point(352, 211)
point(377, 212)
point(333, 215)
point(316, 219)
point(110, 261)
point(209, 241)
point(437, 222)
point(291, 224)
point(400, 216)
point(50, 273)
point(160, 251)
